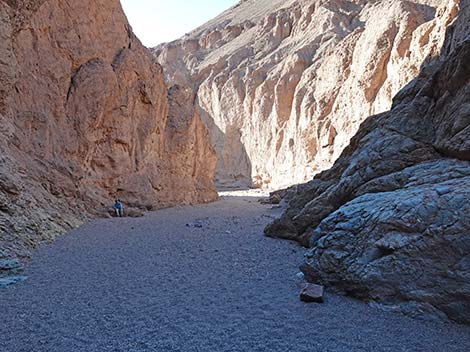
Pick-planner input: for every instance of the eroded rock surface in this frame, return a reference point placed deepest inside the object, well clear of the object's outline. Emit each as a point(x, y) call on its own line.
point(389, 222)
point(284, 85)
point(86, 116)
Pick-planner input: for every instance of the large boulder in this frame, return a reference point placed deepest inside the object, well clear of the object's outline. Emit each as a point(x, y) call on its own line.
point(389, 221)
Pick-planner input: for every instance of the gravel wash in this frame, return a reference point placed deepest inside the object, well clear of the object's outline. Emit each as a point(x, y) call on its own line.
point(200, 278)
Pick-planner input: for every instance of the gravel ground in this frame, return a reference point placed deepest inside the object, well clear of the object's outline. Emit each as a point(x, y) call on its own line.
point(154, 284)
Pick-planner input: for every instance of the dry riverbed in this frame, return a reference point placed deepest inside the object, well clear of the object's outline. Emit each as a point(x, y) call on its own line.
point(198, 278)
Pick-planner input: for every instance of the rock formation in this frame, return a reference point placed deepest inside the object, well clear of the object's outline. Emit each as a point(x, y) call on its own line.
point(284, 85)
point(389, 222)
point(86, 116)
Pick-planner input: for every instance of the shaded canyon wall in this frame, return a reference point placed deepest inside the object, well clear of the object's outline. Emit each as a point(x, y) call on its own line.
point(389, 222)
point(86, 116)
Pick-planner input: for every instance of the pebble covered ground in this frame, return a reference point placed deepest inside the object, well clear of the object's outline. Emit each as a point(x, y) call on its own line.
point(156, 284)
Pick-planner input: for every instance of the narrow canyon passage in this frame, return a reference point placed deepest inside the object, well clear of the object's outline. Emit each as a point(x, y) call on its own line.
point(156, 284)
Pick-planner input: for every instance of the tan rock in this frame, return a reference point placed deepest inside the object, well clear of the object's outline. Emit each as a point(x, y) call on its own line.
point(86, 116)
point(283, 85)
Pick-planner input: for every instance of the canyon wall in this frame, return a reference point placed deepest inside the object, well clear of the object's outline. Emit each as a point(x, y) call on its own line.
point(389, 222)
point(284, 85)
point(86, 116)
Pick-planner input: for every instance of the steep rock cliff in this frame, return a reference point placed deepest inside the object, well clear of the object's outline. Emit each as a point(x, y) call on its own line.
point(284, 85)
point(389, 222)
point(86, 116)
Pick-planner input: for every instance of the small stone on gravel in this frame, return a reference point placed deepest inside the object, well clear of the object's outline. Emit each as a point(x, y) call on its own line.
point(312, 293)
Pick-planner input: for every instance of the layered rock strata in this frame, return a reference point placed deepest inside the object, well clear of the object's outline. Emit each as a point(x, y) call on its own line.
point(389, 222)
point(86, 116)
point(284, 85)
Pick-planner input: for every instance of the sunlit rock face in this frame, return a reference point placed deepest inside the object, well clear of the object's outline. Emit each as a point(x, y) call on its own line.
point(85, 116)
point(389, 221)
point(283, 85)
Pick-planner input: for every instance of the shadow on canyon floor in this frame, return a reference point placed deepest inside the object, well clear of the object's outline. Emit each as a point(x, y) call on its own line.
point(155, 284)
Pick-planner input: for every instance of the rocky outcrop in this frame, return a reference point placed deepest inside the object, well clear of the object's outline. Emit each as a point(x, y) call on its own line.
point(389, 221)
point(86, 116)
point(284, 85)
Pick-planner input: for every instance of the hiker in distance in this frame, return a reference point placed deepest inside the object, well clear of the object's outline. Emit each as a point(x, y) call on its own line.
point(119, 208)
